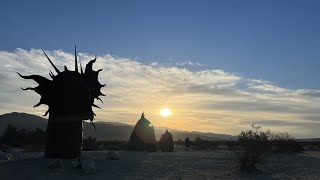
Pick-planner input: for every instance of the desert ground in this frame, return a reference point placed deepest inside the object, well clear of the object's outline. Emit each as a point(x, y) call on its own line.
point(181, 164)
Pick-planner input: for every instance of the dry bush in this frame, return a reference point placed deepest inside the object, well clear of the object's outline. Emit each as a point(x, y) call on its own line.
point(201, 144)
point(231, 145)
point(284, 143)
point(253, 144)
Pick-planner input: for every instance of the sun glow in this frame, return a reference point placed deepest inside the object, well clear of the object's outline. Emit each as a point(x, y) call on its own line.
point(165, 112)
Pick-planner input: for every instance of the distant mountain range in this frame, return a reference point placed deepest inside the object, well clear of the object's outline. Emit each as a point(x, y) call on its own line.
point(309, 140)
point(104, 130)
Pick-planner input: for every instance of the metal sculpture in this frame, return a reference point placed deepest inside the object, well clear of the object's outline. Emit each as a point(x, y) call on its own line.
point(70, 96)
point(166, 142)
point(142, 137)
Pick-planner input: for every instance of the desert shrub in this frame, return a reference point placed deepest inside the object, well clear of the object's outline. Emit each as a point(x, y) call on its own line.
point(179, 142)
point(284, 143)
point(252, 144)
point(89, 144)
point(310, 146)
point(22, 138)
point(201, 144)
point(214, 146)
point(10, 136)
point(115, 145)
point(231, 144)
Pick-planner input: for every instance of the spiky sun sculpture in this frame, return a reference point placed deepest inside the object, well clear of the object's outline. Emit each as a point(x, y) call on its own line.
point(70, 96)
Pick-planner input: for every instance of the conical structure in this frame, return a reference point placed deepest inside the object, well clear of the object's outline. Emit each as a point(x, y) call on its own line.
point(70, 96)
point(142, 137)
point(166, 142)
point(187, 142)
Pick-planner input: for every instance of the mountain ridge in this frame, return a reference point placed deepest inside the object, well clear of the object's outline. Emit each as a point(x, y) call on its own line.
point(104, 130)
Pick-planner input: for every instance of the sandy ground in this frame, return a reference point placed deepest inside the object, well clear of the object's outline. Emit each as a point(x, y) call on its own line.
point(219, 164)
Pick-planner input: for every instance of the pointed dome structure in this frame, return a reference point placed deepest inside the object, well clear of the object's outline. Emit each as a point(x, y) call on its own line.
point(142, 137)
point(166, 142)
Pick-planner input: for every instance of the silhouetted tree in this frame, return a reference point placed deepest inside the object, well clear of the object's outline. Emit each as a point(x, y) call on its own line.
point(37, 137)
point(10, 136)
point(22, 137)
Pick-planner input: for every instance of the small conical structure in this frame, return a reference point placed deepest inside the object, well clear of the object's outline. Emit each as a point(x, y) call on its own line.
point(142, 137)
point(166, 142)
point(187, 142)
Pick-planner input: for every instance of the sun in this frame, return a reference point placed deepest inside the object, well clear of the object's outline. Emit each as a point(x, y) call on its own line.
point(165, 112)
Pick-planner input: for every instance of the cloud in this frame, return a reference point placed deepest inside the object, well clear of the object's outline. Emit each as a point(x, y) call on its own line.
point(210, 100)
point(281, 123)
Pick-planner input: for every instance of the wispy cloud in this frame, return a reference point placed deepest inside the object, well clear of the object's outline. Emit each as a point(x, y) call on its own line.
point(209, 100)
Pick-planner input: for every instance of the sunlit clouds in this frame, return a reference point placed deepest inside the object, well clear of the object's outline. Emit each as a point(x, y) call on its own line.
point(209, 100)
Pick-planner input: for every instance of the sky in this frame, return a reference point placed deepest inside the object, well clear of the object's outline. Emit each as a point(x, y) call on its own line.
point(219, 65)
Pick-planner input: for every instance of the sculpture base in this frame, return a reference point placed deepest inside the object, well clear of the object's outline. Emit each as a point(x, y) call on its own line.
point(64, 140)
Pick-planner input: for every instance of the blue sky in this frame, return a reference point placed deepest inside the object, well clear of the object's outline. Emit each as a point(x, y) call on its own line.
point(218, 65)
point(278, 41)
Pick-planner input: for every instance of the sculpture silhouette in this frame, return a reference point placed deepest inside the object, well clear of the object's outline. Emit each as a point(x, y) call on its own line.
point(70, 96)
point(142, 137)
point(166, 142)
point(187, 142)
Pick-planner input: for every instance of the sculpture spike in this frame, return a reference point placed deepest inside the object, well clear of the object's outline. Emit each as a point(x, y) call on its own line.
point(75, 59)
point(55, 68)
point(28, 88)
point(100, 94)
point(46, 113)
point(81, 68)
point(37, 78)
point(96, 106)
point(100, 100)
point(89, 66)
point(99, 70)
point(51, 74)
point(65, 68)
point(39, 103)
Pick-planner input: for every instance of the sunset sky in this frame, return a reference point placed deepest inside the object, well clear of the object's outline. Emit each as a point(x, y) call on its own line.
point(218, 65)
